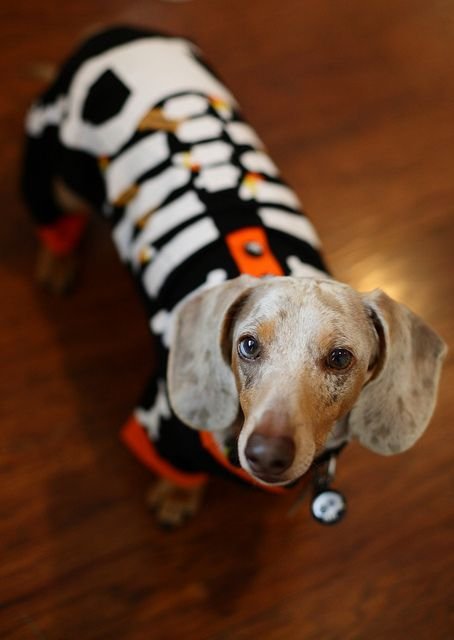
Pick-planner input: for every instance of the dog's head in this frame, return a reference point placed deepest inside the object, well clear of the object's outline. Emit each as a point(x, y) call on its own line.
point(287, 358)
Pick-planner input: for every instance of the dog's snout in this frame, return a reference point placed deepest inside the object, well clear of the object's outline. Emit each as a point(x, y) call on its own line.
point(269, 456)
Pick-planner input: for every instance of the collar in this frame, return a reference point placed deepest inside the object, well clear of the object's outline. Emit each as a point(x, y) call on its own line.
point(328, 506)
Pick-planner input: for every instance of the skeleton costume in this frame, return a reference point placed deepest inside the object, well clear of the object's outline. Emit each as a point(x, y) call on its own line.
point(140, 127)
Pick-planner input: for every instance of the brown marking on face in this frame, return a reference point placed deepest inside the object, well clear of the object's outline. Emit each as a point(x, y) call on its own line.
point(266, 332)
point(326, 340)
point(333, 382)
point(319, 409)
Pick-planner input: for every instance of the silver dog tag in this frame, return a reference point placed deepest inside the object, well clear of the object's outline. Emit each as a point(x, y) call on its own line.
point(328, 507)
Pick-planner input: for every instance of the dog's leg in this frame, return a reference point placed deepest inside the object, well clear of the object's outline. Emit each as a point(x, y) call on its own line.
point(174, 505)
point(54, 209)
point(57, 270)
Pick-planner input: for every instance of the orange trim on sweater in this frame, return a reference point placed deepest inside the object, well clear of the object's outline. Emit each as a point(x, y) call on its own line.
point(63, 236)
point(259, 265)
point(135, 438)
point(212, 446)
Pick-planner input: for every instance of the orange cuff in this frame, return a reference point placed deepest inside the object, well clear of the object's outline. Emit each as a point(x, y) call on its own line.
point(134, 437)
point(64, 235)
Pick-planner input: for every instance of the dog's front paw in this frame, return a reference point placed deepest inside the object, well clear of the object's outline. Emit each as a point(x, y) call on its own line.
point(57, 273)
point(173, 505)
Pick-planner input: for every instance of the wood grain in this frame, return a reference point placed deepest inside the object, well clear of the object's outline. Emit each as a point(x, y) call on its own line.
point(355, 102)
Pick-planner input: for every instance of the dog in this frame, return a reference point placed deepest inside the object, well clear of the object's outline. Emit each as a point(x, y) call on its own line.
point(266, 361)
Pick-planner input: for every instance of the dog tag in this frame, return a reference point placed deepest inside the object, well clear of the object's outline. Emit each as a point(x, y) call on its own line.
point(328, 507)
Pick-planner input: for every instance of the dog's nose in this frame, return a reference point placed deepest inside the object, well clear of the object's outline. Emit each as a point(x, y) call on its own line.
point(269, 455)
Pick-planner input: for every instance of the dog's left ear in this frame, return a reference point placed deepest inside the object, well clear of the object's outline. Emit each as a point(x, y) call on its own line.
point(201, 384)
point(395, 407)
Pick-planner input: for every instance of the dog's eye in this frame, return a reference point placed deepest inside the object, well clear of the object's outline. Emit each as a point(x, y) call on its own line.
point(249, 348)
point(339, 359)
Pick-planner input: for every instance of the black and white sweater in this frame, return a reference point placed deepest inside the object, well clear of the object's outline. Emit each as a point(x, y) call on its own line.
point(140, 127)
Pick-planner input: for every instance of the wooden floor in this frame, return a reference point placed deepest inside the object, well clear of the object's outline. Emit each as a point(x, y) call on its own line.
point(355, 102)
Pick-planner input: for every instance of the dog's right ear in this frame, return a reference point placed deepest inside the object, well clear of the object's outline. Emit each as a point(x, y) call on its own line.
point(200, 381)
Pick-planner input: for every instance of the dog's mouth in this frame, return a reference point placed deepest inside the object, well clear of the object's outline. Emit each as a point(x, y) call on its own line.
point(233, 457)
point(270, 479)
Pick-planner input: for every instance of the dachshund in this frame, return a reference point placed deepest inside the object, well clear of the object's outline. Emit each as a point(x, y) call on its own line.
point(266, 361)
